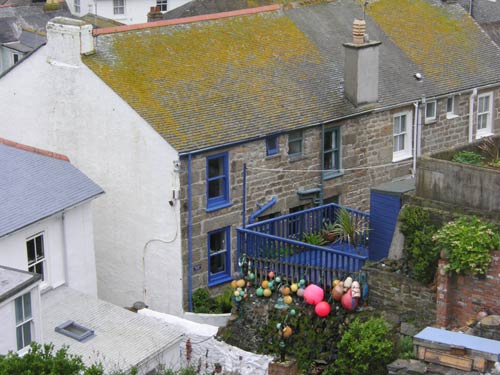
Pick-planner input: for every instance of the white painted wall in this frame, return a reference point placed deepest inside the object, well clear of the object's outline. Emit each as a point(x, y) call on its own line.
point(68, 243)
point(136, 11)
point(8, 341)
point(78, 115)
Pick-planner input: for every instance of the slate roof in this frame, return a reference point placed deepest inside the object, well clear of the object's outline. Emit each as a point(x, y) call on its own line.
point(483, 10)
point(13, 281)
point(34, 186)
point(122, 338)
point(210, 83)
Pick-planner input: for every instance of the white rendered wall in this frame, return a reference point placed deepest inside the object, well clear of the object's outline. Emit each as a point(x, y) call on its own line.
point(8, 341)
point(78, 115)
point(68, 243)
point(136, 11)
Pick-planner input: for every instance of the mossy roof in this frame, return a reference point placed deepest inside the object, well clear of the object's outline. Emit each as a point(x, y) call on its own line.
point(211, 83)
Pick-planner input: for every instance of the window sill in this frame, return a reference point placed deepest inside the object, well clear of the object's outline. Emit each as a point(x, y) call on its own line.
point(217, 280)
point(451, 116)
point(396, 158)
point(430, 121)
point(219, 206)
point(272, 156)
point(331, 176)
point(294, 158)
point(482, 135)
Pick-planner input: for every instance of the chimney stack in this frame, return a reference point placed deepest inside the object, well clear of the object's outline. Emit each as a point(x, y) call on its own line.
point(68, 39)
point(361, 66)
point(155, 14)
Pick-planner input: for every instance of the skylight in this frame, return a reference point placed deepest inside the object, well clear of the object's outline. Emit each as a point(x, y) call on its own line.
point(74, 330)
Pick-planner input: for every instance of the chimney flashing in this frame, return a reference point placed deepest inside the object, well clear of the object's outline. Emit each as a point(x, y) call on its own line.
point(360, 46)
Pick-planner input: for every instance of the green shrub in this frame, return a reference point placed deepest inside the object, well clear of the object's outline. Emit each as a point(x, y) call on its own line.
point(314, 239)
point(203, 303)
point(421, 254)
point(405, 347)
point(51, 6)
point(468, 242)
point(365, 348)
point(468, 157)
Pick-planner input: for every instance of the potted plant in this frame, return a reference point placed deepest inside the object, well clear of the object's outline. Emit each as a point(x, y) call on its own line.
point(349, 229)
point(329, 234)
point(313, 238)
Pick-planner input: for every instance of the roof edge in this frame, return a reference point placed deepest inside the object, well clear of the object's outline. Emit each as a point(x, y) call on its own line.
point(33, 149)
point(25, 284)
point(177, 21)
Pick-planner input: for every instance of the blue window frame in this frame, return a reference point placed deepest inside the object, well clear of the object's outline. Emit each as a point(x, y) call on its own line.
point(219, 256)
point(272, 145)
point(217, 182)
point(331, 153)
point(295, 144)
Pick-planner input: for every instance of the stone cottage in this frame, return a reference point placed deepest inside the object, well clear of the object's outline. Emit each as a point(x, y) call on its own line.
point(165, 116)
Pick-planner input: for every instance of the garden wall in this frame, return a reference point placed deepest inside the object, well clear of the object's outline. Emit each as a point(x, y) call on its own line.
point(395, 292)
point(460, 184)
point(460, 298)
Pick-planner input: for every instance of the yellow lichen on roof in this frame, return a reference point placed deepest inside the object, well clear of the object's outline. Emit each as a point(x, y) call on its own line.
point(431, 36)
point(169, 74)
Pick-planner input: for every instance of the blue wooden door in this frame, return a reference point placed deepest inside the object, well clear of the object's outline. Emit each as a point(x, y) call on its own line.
point(384, 211)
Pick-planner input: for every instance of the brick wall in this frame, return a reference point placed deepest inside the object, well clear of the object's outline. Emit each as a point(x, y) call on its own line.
point(460, 298)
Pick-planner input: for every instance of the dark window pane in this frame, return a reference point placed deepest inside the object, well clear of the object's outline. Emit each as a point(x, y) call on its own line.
point(19, 336)
point(215, 167)
point(27, 305)
point(26, 333)
point(19, 309)
point(39, 268)
point(39, 247)
point(328, 160)
point(217, 242)
point(215, 188)
point(218, 263)
point(328, 140)
point(295, 147)
point(30, 245)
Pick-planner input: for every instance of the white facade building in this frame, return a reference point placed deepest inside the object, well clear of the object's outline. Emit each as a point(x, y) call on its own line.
point(136, 224)
point(124, 11)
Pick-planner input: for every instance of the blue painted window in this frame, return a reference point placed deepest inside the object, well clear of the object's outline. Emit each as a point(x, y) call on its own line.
point(272, 145)
point(331, 153)
point(217, 181)
point(295, 144)
point(219, 256)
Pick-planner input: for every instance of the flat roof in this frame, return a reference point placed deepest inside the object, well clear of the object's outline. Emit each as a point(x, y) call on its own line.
point(12, 281)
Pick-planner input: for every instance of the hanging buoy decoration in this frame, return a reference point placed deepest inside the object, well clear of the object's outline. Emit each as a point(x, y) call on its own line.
point(241, 283)
point(277, 279)
point(302, 283)
point(338, 291)
point(322, 309)
point(355, 290)
point(259, 292)
point(285, 290)
point(234, 285)
point(286, 332)
point(348, 302)
point(294, 288)
point(288, 299)
point(313, 294)
point(251, 276)
point(271, 274)
point(264, 284)
point(348, 283)
point(270, 285)
point(267, 292)
point(300, 292)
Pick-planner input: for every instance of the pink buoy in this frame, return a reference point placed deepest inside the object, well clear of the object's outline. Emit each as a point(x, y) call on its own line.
point(348, 302)
point(322, 309)
point(313, 294)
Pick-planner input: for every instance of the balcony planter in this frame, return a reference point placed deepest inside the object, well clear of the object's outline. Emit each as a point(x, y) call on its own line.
point(288, 367)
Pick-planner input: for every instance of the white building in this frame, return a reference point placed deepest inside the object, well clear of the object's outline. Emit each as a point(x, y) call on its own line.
point(48, 282)
point(124, 11)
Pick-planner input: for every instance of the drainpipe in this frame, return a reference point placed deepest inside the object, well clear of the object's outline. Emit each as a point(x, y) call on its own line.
point(322, 173)
point(190, 239)
point(471, 113)
point(261, 209)
point(415, 124)
point(66, 255)
point(244, 197)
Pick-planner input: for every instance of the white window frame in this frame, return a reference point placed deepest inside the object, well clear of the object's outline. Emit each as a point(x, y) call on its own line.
point(77, 6)
point(405, 152)
point(430, 117)
point(451, 112)
point(119, 7)
point(42, 259)
point(26, 321)
point(481, 114)
point(162, 4)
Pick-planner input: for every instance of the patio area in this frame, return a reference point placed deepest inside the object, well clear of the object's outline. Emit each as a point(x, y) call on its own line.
point(281, 245)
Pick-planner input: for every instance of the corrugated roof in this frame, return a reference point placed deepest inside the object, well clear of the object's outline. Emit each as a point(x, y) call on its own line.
point(211, 83)
point(122, 338)
point(35, 186)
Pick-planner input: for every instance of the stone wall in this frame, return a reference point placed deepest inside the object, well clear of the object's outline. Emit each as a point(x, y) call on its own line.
point(394, 292)
point(460, 298)
point(366, 157)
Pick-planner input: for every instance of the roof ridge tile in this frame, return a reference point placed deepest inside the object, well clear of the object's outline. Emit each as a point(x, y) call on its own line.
point(33, 149)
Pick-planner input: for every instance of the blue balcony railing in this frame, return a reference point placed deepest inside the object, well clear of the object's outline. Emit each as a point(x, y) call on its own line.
point(277, 244)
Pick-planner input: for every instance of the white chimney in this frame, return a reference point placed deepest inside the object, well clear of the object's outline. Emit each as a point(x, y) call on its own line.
point(361, 67)
point(67, 40)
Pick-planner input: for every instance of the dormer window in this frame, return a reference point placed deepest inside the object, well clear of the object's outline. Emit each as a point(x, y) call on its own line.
point(162, 4)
